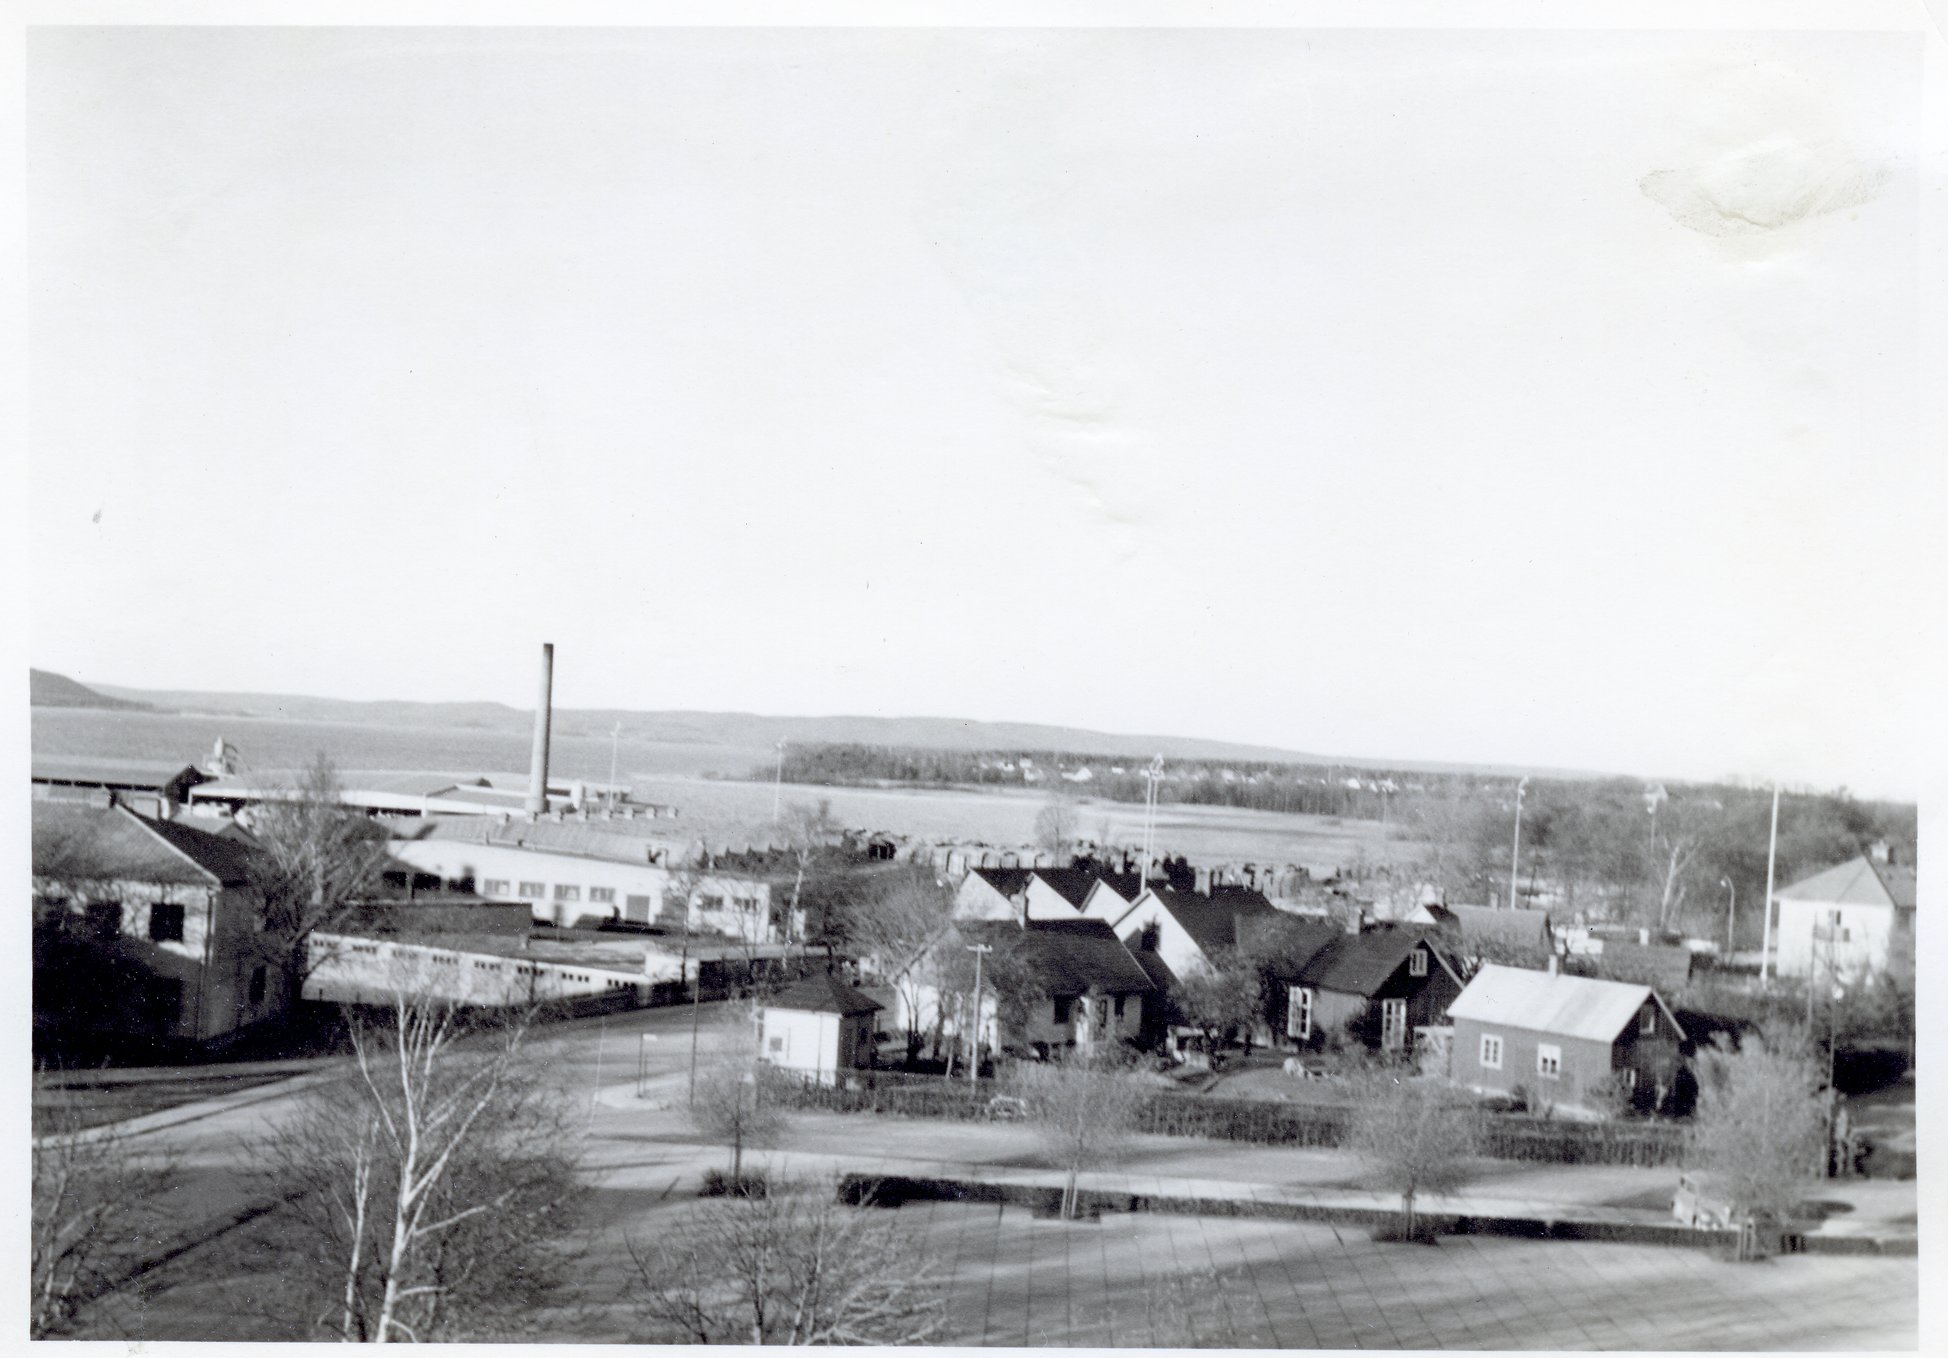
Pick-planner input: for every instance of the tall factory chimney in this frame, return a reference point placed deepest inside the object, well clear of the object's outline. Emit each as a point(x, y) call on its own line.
point(544, 711)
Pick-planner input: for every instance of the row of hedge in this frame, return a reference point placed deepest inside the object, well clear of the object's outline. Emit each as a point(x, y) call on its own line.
point(1503, 1136)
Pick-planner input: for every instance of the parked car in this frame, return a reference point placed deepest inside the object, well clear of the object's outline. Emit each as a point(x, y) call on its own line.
point(1006, 1108)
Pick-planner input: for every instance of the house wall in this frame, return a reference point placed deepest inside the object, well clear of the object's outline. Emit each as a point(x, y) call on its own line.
point(1174, 944)
point(1868, 929)
point(571, 889)
point(211, 968)
point(1045, 902)
point(1041, 1025)
point(816, 1043)
point(976, 899)
point(1428, 998)
point(1586, 1064)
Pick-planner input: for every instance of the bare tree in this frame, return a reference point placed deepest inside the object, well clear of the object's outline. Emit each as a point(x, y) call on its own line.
point(1085, 1108)
point(95, 1207)
point(794, 1266)
point(1057, 825)
point(1760, 1129)
point(1414, 1137)
point(736, 1101)
point(317, 861)
point(808, 830)
point(430, 1179)
point(897, 931)
point(1220, 993)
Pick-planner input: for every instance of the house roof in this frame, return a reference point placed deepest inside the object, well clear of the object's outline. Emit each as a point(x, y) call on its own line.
point(1010, 882)
point(613, 841)
point(1654, 964)
point(1298, 942)
point(1518, 928)
point(824, 994)
point(1858, 881)
point(107, 844)
point(1359, 964)
point(1071, 956)
point(133, 775)
point(1071, 884)
point(1573, 1006)
point(1212, 922)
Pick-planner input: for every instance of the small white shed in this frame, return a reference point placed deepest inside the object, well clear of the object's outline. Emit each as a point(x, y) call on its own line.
point(820, 1026)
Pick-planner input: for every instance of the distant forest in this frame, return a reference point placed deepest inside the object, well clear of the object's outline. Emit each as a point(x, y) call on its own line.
point(1668, 856)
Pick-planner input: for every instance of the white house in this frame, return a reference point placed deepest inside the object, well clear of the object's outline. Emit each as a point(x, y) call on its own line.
point(583, 873)
point(1847, 921)
point(819, 1026)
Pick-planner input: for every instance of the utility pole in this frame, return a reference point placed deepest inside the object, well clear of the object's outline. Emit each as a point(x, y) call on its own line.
point(1731, 916)
point(1771, 861)
point(615, 735)
point(778, 784)
point(1152, 776)
point(1515, 856)
point(980, 951)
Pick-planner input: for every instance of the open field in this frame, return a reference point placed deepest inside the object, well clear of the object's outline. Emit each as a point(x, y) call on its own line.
point(724, 810)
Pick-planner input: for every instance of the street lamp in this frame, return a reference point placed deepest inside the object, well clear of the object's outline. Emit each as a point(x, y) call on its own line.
point(980, 950)
point(778, 785)
point(615, 736)
point(1515, 855)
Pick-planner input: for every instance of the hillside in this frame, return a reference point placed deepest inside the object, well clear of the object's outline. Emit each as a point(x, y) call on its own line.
point(47, 689)
point(754, 736)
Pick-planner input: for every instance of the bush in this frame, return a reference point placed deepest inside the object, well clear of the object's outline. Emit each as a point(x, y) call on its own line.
point(718, 1184)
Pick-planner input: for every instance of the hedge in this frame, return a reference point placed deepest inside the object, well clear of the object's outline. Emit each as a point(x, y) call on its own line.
point(1503, 1136)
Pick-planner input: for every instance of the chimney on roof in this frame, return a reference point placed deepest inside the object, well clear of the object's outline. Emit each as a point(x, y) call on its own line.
point(537, 801)
point(1881, 851)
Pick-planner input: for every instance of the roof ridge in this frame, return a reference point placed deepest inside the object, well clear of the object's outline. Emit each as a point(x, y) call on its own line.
point(156, 833)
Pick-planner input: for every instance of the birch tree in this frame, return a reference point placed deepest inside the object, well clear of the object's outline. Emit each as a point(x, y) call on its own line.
point(1760, 1129)
point(431, 1177)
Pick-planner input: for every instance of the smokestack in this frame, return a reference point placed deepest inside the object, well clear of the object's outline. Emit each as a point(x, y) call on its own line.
point(544, 711)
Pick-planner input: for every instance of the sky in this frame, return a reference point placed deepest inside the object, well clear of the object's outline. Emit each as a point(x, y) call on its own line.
point(1525, 397)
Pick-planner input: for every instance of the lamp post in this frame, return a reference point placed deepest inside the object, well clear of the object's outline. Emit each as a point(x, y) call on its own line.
point(1152, 776)
point(615, 737)
point(1731, 916)
point(778, 783)
point(980, 950)
point(1515, 855)
point(1771, 860)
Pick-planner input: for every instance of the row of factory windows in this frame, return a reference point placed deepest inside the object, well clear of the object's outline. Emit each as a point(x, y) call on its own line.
point(570, 893)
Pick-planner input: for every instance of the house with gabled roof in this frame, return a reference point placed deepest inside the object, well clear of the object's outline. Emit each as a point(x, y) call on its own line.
point(1183, 929)
point(992, 893)
point(146, 930)
point(1564, 1039)
point(1378, 985)
point(1850, 920)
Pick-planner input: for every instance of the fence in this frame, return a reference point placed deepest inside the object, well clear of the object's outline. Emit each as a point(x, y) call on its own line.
point(1503, 1136)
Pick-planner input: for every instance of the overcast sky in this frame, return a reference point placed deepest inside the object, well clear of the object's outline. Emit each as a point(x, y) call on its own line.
point(1515, 397)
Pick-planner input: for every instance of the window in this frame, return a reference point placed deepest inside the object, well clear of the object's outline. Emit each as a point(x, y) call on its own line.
point(1548, 1060)
point(257, 980)
point(1647, 1022)
point(165, 923)
point(1102, 1011)
point(1062, 1010)
point(1417, 962)
point(1298, 1013)
point(564, 892)
point(604, 894)
point(494, 886)
point(1393, 1025)
point(533, 891)
point(1491, 1052)
point(104, 919)
point(1630, 1078)
point(1119, 1006)
point(708, 903)
point(778, 1045)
